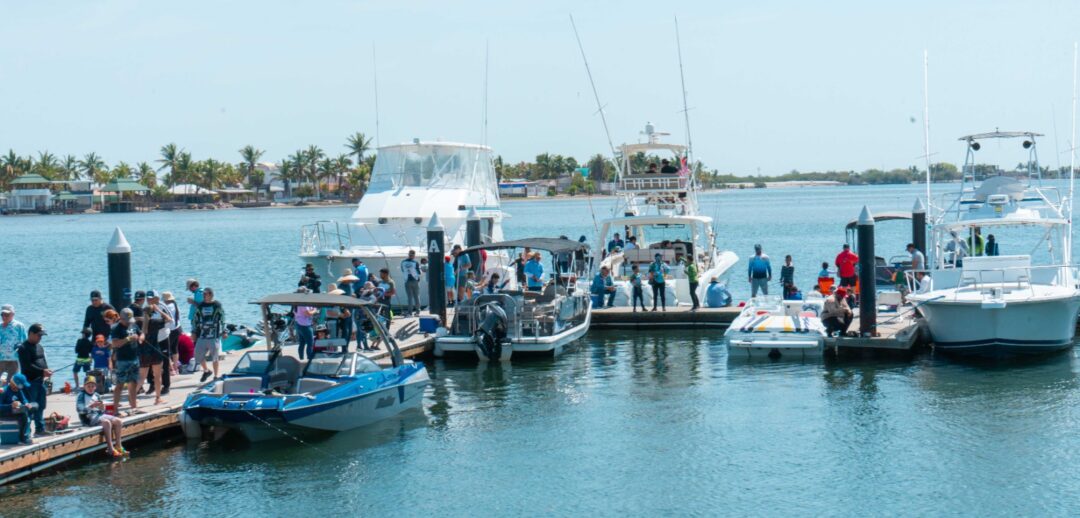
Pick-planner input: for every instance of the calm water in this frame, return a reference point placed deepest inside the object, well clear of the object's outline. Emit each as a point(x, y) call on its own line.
point(657, 423)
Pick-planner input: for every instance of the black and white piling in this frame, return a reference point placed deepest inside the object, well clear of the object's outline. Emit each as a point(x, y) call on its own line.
point(119, 270)
point(436, 253)
point(918, 226)
point(472, 237)
point(867, 274)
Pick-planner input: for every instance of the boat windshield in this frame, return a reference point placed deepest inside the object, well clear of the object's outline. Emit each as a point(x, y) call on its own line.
point(253, 363)
point(440, 166)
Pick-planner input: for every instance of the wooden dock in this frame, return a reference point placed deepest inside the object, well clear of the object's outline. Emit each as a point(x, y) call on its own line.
point(895, 332)
point(80, 442)
point(675, 316)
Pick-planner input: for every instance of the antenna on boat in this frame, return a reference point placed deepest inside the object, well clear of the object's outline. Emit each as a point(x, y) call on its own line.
point(1072, 158)
point(599, 107)
point(686, 110)
point(375, 78)
point(926, 125)
point(484, 131)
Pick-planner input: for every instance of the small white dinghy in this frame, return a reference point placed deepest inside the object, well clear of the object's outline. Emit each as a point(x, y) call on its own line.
point(772, 328)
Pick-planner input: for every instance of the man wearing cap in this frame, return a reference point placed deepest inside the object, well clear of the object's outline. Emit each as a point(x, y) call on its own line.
point(94, 318)
point(12, 333)
point(760, 272)
point(207, 331)
point(16, 404)
point(194, 300)
point(411, 269)
point(836, 315)
point(35, 367)
point(138, 304)
point(125, 337)
point(360, 271)
point(309, 279)
point(846, 261)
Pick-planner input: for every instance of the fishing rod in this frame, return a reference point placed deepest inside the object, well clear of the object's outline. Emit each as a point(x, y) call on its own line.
point(375, 80)
point(596, 95)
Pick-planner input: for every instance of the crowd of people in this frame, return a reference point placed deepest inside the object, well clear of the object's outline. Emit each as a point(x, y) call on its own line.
point(119, 348)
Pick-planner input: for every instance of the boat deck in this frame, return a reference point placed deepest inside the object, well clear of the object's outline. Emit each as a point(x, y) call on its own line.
point(895, 332)
point(675, 316)
point(20, 461)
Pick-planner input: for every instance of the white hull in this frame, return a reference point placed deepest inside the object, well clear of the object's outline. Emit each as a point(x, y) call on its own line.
point(789, 331)
point(1001, 327)
point(677, 289)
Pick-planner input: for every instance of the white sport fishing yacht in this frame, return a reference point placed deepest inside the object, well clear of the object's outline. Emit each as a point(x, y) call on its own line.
point(658, 208)
point(1015, 294)
point(409, 183)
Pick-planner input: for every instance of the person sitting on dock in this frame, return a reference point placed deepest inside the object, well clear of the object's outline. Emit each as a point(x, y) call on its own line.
point(616, 242)
point(760, 272)
point(657, 270)
point(534, 273)
point(602, 285)
point(717, 295)
point(836, 315)
point(637, 291)
point(846, 261)
point(15, 403)
point(667, 168)
point(91, 412)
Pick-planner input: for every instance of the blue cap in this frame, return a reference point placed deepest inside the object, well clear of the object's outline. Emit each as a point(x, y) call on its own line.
point(20, 380)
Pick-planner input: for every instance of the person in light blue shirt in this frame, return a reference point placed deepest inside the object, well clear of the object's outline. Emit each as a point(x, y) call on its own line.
point(534, 273)
point(12, 333)
point(759, 272)
point(360, 271)
point(657, 270)
point(602, 284)
point(717, 295)
point(194, 300)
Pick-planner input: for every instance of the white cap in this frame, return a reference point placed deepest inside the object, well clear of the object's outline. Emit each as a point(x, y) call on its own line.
point(119, 244)
point(7, 308)
point(865, 218)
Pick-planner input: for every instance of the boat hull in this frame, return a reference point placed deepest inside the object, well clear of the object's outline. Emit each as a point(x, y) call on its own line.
point(1017, 329)
point(553, 345)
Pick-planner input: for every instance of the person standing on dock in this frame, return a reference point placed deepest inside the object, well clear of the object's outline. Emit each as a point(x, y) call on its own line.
point(12, 333)
point(692, 278)
point(657, 270)
point(918, 260)
point(154, 353)
point(846, 261)
point(83, 347)
point(836, 314)
point(35, 367)
point(519, 267)
point(209, 326)
point(309, 279)
point(637, 291)
point(760, 272)
point(787, 272)
point(462, 265)
point(360, 271)
point(175, 330)
point(95, 314)
point(193, 301)
point(125, 336)
point(411, 268)
point(137, 306)
point(534, 273)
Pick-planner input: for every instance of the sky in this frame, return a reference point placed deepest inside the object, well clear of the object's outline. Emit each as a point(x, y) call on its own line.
point(772, 86)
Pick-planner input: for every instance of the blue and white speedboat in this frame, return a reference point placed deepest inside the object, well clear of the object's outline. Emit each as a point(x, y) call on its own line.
point(270, 394)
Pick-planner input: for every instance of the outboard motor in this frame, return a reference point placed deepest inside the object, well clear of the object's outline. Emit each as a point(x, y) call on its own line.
point(490, 334)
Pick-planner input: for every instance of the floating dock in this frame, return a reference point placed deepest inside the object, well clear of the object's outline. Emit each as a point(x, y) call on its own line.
point(674, 317)
point(895, 332)
point(46, 453)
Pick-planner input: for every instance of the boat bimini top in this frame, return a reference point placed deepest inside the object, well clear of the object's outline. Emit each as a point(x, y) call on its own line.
point(548, 244)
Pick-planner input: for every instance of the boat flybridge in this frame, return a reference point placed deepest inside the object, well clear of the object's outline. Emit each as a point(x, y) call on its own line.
point(503, 320)
point(410, 183)
point(999, 281)
point(271, 393)
point(656, 212)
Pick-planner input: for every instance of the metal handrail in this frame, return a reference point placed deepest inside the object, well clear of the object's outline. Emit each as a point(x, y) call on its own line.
point(315, 236)
point(980, 284)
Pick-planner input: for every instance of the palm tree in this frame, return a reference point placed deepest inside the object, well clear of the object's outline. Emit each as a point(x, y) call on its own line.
point(47, 165)
point(327, 169)
point(250, 157)
point(287, 172)
point(314, 154)
point(170, 156)
point(122, 170)
point(358, 144)
point(211, 170)
point(146, 175)
point(70, 167)
point(9, 168)
point(342, 164)
point(92, 167)
point(185, 169)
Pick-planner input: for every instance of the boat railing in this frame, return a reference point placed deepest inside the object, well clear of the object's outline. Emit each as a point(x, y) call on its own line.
point(655, 183)
point(323, 235)
point(992, 281)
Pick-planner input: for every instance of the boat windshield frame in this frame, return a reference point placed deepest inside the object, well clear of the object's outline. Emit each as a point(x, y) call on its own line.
point(434, 165)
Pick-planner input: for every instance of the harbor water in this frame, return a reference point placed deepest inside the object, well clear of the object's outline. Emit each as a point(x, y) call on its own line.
point(624, 423)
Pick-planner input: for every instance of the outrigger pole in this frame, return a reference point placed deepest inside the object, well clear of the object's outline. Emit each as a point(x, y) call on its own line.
point(1072, 158)
point(926, 125)
point(686, 110)
point(599, 107)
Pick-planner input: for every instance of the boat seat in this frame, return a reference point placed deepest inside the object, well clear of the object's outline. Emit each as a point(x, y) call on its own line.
point(244, 384)
point(283, 377)
point(313, 385)
point(330, 344)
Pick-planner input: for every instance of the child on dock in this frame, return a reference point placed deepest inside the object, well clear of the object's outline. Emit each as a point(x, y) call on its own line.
point(787, 272)
point(83, 347)
point(91, 412)
point(637, 291)
point(825, 280)
point(100, 354)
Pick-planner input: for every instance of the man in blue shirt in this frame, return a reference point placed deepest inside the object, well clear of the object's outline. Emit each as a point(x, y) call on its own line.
point(194, 300)
point(616, 242)
point(12, 333)
point(657, 270)
point(716, 295)
point(360, 270)
point(14, 403)
point(534, 273)
point(760, 272)
point(602, 284)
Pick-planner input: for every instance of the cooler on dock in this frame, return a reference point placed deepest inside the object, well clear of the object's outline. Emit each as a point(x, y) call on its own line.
point(428, 324)
point(9, 431)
